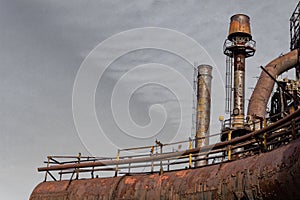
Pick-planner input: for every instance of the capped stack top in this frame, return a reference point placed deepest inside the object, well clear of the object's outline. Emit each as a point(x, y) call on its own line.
point(204, 70)
point(239, 26)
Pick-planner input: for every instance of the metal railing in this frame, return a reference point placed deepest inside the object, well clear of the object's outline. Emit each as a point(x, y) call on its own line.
point(255, 123)
point(174, 156)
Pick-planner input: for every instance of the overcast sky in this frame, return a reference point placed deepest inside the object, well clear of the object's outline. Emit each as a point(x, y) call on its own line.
point(43, 44)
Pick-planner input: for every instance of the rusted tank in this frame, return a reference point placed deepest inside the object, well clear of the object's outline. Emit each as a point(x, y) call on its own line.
point(271, 175)
point(239, 26)
point(264, 86)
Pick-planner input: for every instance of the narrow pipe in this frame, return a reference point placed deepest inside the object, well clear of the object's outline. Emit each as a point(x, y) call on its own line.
point(264, 86)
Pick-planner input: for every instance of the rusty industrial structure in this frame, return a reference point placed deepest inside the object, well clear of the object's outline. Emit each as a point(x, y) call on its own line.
point(203, 108)
point(257, 157)
point(239, 46)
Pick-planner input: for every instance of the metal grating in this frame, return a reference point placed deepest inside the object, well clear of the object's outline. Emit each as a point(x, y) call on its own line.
point(295, 34)
point(294, 28)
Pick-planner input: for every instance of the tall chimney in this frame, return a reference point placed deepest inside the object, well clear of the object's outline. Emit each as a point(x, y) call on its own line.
point(203, 107)
point(239, 46)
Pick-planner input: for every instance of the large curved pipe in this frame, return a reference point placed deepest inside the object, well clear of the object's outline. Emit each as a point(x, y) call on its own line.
point(264, 86)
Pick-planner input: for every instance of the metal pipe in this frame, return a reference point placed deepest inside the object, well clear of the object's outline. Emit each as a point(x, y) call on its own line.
point(239, 90)
point(203, 108)
point(279, 85)
point(264, 86)
point(239, 45)
point(203, 105)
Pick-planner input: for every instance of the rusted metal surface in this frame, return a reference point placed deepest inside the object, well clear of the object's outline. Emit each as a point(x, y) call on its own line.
point(264, 86)
point(272, 175)
point(203, 108)
point(239, 25)
point(239, 90)
point(239, 47)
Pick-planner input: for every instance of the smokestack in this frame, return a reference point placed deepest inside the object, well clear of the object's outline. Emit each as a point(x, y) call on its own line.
point(203, 107)
point(239, 46)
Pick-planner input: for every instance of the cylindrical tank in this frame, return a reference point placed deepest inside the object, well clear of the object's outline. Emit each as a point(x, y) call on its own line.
point(203, 107)
point(271, 175)
point(239, 25)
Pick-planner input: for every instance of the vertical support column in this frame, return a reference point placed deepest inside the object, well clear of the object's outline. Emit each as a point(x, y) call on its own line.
point(48, 163)
point(203, 107)
point(77, 169)
point(151, 155)
point(117, 165)
point(297, 69)
point(190, 155)
point(161, 171)
point(229, 146)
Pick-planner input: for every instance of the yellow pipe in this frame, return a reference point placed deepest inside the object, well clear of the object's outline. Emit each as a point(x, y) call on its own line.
point(152, 163)
point(190, 155)
point(48, 163)
point(265, 141)
point(229, 147)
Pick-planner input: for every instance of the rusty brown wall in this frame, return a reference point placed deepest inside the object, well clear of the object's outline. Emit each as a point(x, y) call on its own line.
point(272, 175)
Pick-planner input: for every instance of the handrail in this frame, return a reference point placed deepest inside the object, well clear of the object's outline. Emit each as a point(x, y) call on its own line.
point(284, 130)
